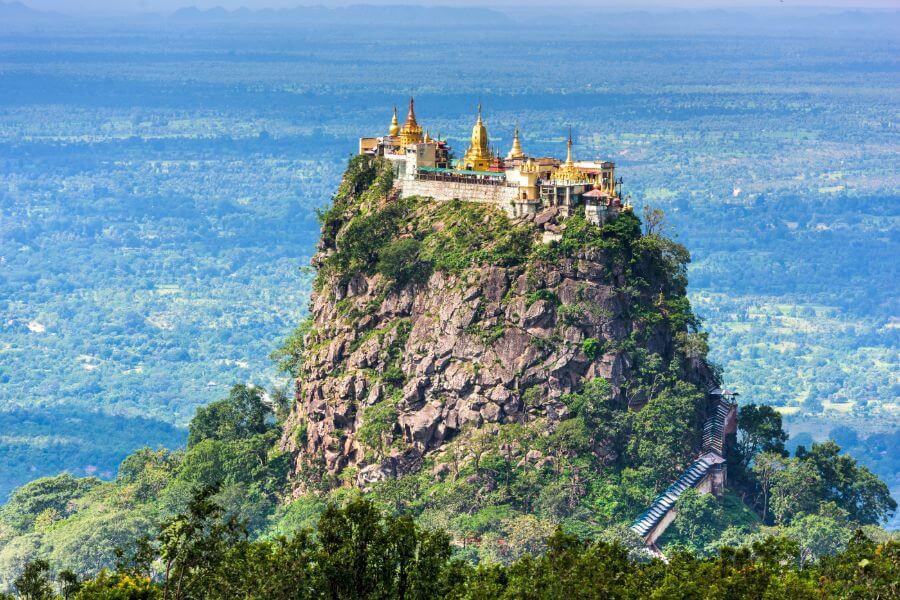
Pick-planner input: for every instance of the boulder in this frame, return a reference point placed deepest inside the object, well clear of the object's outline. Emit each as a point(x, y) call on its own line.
point(419, 426)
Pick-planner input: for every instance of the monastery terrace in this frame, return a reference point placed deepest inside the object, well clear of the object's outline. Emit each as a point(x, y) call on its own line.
point(518, 183)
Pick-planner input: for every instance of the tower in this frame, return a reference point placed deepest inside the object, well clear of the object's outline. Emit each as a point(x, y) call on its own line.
point(516, 150)
point(411, 132)
point(394, 129)
point(478, 156)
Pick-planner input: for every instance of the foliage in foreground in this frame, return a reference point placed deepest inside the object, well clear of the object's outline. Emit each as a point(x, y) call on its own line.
point(493, 509)
point(359, 552)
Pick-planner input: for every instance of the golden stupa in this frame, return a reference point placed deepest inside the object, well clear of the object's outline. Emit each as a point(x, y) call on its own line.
point(478, 156)
point(516, 150)
point(411, 132)
point(394, 129)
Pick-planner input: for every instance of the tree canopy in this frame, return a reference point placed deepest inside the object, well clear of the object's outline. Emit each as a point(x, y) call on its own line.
point(362, 553)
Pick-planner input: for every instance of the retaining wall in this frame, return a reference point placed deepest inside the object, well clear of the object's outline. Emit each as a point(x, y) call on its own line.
point(501, 195)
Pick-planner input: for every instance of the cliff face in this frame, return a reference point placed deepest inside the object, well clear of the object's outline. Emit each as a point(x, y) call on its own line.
point(474, 322)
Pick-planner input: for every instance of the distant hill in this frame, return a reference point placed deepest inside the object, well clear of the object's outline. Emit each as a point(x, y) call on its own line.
point(17, 14)
point(362, 14)
point(778, 19)
point(13, 13)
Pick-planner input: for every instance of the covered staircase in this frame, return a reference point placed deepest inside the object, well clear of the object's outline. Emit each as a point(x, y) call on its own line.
point(706, 474)
point(714, 429)
point(694, 474)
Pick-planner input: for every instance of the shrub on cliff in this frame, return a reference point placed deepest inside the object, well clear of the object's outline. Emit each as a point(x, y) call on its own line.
point(401, 263)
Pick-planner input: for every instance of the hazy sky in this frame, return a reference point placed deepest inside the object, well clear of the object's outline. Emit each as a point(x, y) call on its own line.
point(81, 6)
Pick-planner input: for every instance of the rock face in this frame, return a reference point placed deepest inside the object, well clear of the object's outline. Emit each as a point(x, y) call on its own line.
point(391, 372)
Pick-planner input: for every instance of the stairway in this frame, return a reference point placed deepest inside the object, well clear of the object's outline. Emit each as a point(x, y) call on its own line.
point(712, 454)
point(714, 430)
point(663, 503)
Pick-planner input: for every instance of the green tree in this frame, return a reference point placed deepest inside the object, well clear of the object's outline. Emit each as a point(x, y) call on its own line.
point(16, 554)
point(795, 491)
point(69, 584)
point(605, 424)
point(241, 415)
point(759, 433)
point(664, 434)
point(34, 583)
point(89, 542)
point(378, 421)
point(47, 493)
point(850, 486)
point(289, 356)
point(701, 518)
point(766, 467)
point(365, 554)
point(865, 570)
point(118, 586)
point(759, 430)
point(354, 545)
point(279, 569)
point(146, 472)
point(818, 535)
point(191, 543)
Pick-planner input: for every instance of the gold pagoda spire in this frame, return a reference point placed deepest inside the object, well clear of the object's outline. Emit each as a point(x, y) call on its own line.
point(478, 156)
point(411, 132)
point(395, 125)
point(411, 115)
point(568, 172)
point(516, 150)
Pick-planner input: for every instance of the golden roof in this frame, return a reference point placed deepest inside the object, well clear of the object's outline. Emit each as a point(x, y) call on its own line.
point(568, 172)
point(530, 166)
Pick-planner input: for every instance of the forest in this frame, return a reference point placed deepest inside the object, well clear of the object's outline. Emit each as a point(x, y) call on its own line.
point(359, 552)
point(817, 502)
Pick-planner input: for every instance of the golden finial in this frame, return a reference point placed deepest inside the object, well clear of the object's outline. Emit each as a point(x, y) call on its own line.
point(395, 124)
point(411, 115)
point(516, 150)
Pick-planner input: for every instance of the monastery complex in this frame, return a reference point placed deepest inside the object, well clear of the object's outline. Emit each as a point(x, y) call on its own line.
point(520, 184)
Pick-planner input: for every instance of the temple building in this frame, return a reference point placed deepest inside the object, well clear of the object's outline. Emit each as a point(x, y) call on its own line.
point(519, 183)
